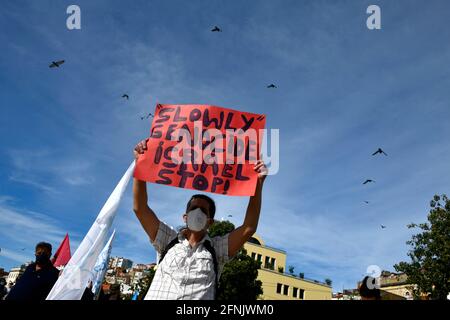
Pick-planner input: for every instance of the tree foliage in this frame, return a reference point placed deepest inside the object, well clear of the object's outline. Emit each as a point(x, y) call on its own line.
point(144, 283)
point(239, 277)
point(220, 228)
point(429, 268)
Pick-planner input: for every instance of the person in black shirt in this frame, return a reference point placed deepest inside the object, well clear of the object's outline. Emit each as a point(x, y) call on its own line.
point(38, 278)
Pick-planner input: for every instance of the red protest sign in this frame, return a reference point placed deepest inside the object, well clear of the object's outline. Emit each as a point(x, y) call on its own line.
point(203, 147)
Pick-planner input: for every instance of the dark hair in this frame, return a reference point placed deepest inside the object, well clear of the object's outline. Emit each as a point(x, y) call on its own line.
point(366, 292)
point(212, 205)
point(44, 245)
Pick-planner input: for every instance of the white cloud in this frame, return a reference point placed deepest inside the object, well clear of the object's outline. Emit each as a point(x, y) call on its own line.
point(33, 166)
point(23, 228)
point(16, 256)
point(32, 181)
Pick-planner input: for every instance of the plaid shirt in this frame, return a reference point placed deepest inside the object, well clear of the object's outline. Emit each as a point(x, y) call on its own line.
point(186, 273)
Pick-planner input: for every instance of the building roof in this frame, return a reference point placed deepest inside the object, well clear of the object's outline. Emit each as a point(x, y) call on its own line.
point(257, 241)
point(297, 278)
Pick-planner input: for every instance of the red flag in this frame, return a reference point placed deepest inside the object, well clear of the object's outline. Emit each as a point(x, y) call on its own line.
point(62, 255)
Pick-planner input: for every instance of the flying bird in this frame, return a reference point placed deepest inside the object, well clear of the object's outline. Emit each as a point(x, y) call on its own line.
point(146, 117)
point(216, 29)
point(366, 202)
point(368, 180)
point(230, 216)
point(271, 86)
point(126, 96)
point(383, 227)
point(380, 152)
point(56, 64)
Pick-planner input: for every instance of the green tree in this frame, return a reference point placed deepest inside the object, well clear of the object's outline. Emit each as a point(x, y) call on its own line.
point(144, 283)
point(329, 282)
point(301, 275)
point(239, 277)
point(430, 253)
point(220, 228)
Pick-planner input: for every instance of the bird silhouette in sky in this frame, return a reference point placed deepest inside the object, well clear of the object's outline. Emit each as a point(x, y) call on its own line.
point(126, 96)
point(368, 180)
point(380, 152)
point(230, 216)
point(216, 29)
point(56, 64)
point(146, 117)
point(366, 202)
point(271, 86)
point(383, 227)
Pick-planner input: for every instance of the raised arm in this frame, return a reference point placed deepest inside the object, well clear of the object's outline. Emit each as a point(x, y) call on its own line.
point(146, 216)
point(239, 236)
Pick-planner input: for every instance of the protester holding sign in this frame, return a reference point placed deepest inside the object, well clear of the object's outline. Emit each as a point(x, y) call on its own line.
point(190, 262)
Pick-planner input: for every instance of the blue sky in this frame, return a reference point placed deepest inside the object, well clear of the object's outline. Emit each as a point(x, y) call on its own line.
point(66, 136)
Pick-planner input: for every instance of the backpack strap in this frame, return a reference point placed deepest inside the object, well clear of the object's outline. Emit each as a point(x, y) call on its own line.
point(167, 248)
point(210, 248)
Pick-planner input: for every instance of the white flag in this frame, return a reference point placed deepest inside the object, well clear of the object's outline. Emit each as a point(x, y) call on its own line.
point(74, 279)
point(98, 274)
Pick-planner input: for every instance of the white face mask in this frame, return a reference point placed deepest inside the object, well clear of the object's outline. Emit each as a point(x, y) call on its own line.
point(196, 220)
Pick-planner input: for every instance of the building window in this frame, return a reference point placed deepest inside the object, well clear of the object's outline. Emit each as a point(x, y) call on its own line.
point(253, 255)
point(267, 263)
point(279, 288)
point(286, 290)
point(302, 294)
point(259, 258)
point(272, 263)
point(294, 292)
